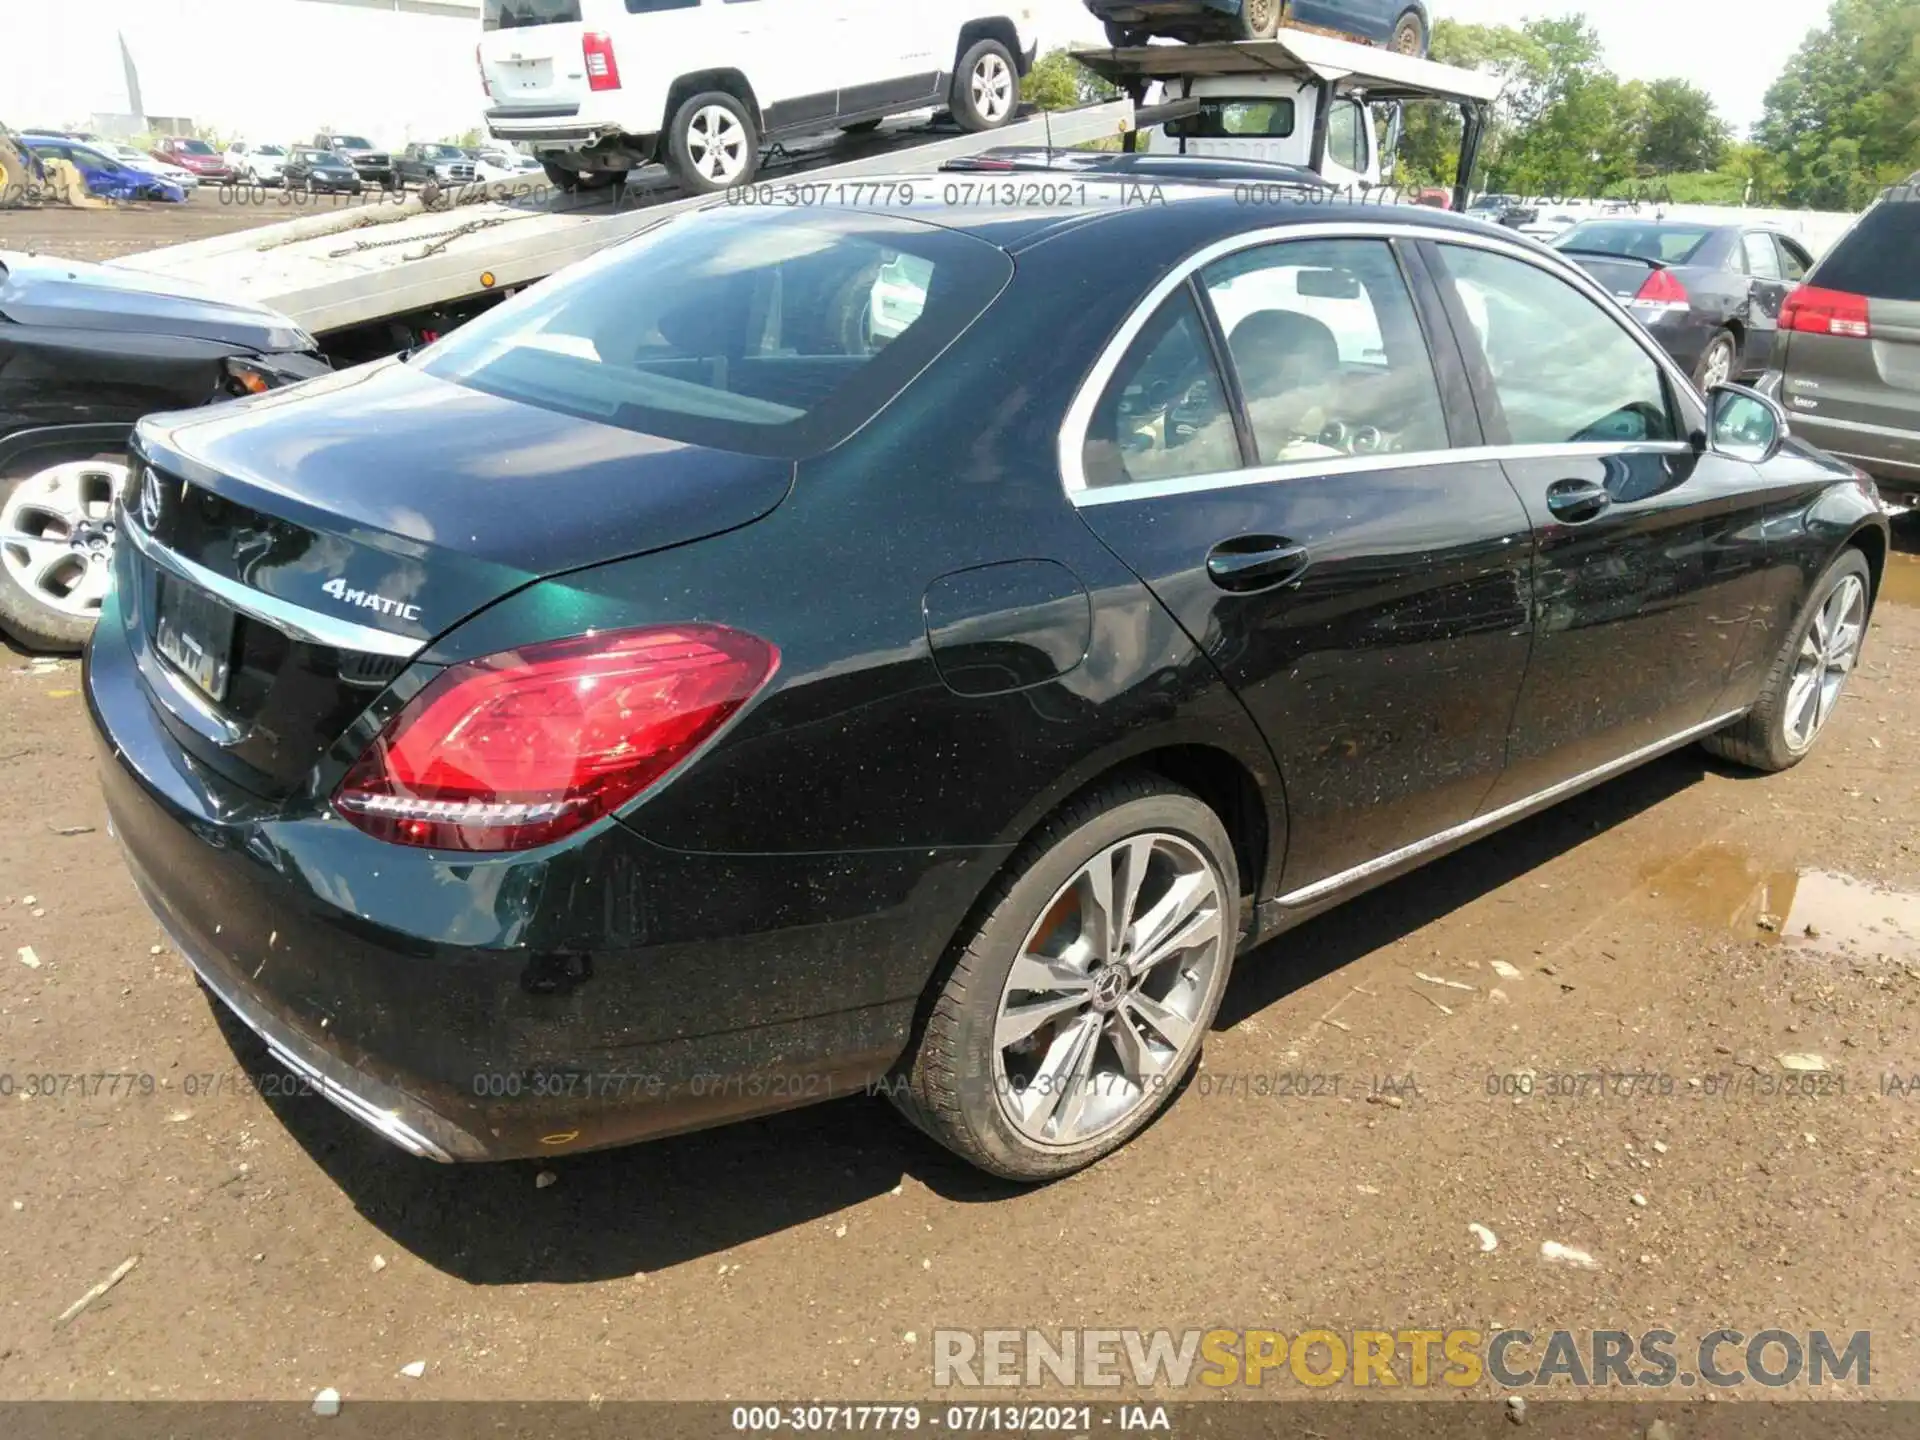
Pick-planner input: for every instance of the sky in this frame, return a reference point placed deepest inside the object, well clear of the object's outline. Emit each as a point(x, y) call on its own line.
point(246, 67)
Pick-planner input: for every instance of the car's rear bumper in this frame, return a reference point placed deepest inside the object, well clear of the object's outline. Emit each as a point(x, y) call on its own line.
point(483, 1007)
point(1891, 456)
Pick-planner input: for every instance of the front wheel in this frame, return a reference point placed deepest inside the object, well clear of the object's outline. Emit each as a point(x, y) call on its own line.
point(713, 143)
point(1257, 20)
point(1808, 672)
point(56, 549)
point(1409, 34)
point(986, 87)
point(1075, 1006)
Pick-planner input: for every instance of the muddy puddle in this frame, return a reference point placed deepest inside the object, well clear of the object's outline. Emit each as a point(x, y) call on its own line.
point(1819, 911)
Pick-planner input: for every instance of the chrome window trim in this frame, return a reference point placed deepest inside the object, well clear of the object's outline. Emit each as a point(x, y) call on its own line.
point(1079, 418)
point(1540, 799)
point(293, 620)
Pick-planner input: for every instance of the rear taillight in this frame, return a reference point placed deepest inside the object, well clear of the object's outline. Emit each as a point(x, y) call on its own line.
point(603, 71)
point(522, 748)
point(481, 60)
point(1660, 291)
point(1813, 311)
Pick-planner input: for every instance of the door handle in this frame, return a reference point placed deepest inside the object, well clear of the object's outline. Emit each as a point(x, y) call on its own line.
point(1577, 500)
point(1256, 562)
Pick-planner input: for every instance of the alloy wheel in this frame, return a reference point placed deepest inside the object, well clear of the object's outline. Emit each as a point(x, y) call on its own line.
point(56, 534)
point(1105, 1001)
point(717, 144)
point(992, 87)
point(1718, 367)
point(1825, 659)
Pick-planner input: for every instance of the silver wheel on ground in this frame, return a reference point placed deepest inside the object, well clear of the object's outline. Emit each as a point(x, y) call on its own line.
point(1826, 657)
point(1070, 1010)
point(56, 546)
point(1809, 671)
point(1108, 989)
point(1716, 362)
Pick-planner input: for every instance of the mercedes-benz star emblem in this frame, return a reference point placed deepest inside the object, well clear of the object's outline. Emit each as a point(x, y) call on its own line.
point(152, 502)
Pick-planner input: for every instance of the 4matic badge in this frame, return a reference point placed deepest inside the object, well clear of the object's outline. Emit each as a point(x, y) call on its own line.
point(367, 600)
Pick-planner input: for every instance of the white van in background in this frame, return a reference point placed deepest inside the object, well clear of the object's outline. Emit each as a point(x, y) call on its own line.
point(600, 87)
point(1270, 117)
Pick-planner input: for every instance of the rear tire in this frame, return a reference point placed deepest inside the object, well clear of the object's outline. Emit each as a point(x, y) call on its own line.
point(1409, 35)
point(986, 87)
point(988, 1082)
point(1717, 361)
point(1257, 20)
point(713, 143)
point(50, 588)
point(1124, 37)
point(1809, 670)
point(571, 181)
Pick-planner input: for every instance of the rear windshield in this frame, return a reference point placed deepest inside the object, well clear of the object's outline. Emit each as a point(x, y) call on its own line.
point(1264, 118)
point(195, 147)
point(1669, 244)
point(1877, 257)
point(513, 14)
point(352, 142)
point(745, 330)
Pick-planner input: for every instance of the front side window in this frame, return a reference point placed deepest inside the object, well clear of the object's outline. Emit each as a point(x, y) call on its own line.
point(744, 330)
point(1346, 145)
point(1164, 415)
point(1328, 350)
point(1564, 370)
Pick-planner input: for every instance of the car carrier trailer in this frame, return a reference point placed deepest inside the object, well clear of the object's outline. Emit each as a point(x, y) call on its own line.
point(375, 278)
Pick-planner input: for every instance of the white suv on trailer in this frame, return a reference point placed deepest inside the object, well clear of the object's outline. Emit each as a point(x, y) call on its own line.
point(600, 87)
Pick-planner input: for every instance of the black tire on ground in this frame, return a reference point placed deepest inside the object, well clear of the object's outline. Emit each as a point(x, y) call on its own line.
point(694, 175)
point(1758, 739)
point(861, 127)
point(562, 178)
point(1257, 20)
point(948, 1084)
point(1409, 35)
point(1725, 345)
point(967, 114)
point(30, 622)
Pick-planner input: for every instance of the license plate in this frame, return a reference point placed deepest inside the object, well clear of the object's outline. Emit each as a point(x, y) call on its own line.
point(194, 632)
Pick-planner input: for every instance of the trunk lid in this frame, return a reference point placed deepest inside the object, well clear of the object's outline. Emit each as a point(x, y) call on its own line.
point(531, 53)
point(1621, 275)
point(291, 553)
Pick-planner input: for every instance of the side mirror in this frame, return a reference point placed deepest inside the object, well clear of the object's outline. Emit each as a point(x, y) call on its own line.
point(1743, 424)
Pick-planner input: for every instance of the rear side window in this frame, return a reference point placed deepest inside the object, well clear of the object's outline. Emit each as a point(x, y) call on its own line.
point(1763, 261)
point(1876, 257)
point(1164, 415)
point(516, 14)
point(744, 330)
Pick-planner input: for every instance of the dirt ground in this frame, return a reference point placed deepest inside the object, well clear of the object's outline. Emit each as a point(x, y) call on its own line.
point(129, 229)
point(1686, 922)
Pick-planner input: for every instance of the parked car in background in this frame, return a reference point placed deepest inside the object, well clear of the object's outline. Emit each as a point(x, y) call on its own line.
point(195, 155)
point(106, 177)
point(601, 87)
point(1846, 353)
point(373, 165)
point(496, 166)
point(1710, 294)
point(317, 171)
point(141, 160)
point(1228, 610)
point(432, 165)
point(1546, 225)
point(1401, 25)
point(85, 351)
point(259, 164)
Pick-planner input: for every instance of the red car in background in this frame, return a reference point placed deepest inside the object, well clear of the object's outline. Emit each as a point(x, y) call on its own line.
point(195, 155)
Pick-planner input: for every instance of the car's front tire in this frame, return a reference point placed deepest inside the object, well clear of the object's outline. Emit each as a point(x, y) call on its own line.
point(1808, 673)
point(1070, 1011)
point(986, 87)
point(56, 534)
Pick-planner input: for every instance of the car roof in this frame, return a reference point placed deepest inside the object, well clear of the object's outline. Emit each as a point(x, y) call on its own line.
point(1162, 219)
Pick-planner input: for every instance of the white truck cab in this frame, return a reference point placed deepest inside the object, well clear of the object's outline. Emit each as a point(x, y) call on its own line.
point(599, 87)
point(1270, 117)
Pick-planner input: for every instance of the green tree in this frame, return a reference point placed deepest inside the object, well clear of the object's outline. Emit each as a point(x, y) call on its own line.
point(1059, 82)
point(1844, 115)
point(1682, 130)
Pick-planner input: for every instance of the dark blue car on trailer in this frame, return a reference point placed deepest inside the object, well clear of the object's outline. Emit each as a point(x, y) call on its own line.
point(1400, 24)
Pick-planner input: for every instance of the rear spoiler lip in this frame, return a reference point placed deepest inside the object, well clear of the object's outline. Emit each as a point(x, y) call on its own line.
point(1645, 260)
